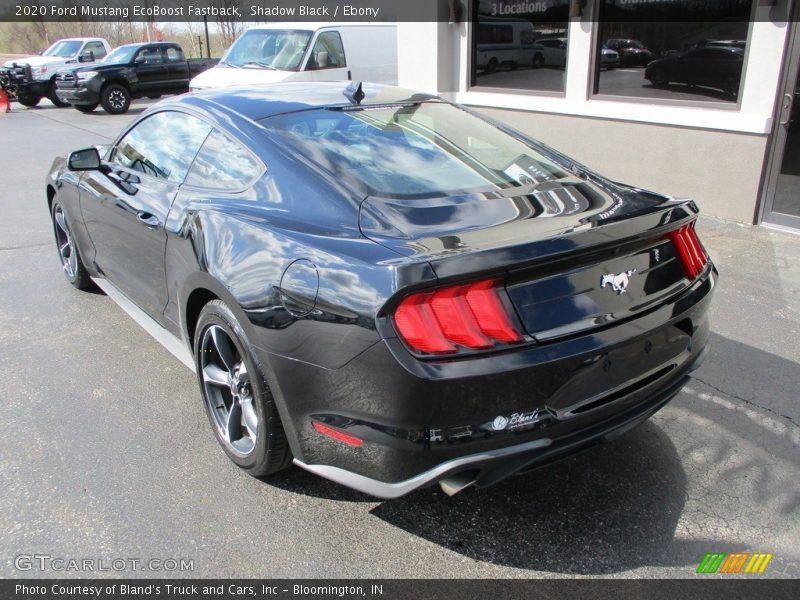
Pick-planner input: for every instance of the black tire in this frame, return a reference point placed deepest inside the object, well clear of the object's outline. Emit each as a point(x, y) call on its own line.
point(29, 101)
point(538, 60)
point(223, 354)
point(115, 98)
point(85, 108)
point(658, 77)
point(491, 66)
point(51, 95)
point(71, 261)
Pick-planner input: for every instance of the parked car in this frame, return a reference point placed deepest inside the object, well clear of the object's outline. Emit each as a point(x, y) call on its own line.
point(507, 42)
point(28, 80)
point(130, 71)
point(385, 288)
point(632, 53)
point(717, 67)
point(609, 59)
point(555, 51)
point(279, 52)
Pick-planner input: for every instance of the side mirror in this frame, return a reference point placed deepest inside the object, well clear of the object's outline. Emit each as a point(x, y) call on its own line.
point(84, 160)
point(322, 59)
point(87, 56)
point(139, 60)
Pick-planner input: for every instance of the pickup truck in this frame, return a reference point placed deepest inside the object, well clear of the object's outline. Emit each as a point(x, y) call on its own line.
point(30, 79)
point(130, 71)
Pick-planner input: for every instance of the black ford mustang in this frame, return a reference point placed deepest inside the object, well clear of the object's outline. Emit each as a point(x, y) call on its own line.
point(388, 290)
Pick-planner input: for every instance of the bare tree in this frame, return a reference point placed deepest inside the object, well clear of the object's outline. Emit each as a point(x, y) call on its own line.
point(229, 27)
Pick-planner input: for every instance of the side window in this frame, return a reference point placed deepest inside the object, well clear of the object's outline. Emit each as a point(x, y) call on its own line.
point(151, 56)
point(328, 52)
point(222, 164)
point(96, 48)
point(174, 54)
point(162, 146)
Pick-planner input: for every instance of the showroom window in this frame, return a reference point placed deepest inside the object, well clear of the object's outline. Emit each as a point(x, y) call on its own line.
point(520, 46)
point(681, 50)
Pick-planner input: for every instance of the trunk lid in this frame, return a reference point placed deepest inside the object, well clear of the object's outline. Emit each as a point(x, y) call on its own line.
point(575, 254)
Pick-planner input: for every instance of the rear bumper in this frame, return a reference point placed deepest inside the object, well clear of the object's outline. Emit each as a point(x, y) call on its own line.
point(490, 467)
point(423, 421)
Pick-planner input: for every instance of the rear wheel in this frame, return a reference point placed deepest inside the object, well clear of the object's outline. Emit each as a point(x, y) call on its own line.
point(491, 67)
point(238, 400)
point(115, 99)
point(71, 261)
point(538, 61)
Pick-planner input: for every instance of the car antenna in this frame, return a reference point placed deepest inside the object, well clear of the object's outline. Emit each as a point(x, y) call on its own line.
point(354, 93)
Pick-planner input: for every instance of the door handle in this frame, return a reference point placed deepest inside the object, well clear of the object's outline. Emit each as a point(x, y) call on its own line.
point(786, 109)
point(150, 221)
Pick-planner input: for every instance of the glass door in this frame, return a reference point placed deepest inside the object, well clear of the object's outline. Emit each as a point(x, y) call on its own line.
point(782, 197)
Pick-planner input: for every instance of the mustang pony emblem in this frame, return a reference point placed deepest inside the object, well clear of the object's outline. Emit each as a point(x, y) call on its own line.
point(618, 283)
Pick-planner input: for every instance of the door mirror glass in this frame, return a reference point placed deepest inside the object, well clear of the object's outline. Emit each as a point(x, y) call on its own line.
point(84, 160)
point(322, 59)
point(139, 60)
point(86, 56)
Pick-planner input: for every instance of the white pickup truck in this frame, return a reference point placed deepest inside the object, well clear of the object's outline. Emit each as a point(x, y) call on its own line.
point(30, 79)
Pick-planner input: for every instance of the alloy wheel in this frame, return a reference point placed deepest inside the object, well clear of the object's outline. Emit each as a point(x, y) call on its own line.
point(116, 99)
point(66, 245)
point(227, 391)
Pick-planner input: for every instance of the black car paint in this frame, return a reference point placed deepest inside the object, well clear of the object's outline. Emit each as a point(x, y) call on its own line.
point(168, 77)
point(330, 351)
point(695, 68)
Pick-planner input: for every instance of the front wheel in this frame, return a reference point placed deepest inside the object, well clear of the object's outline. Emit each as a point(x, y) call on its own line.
point(238, 400)
point(115, 98)
point(28, 100)
point(51, 95)
point(658, 77)
point(71, 261)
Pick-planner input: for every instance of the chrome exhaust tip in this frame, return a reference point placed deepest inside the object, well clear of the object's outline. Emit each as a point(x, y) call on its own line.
point(455, 483)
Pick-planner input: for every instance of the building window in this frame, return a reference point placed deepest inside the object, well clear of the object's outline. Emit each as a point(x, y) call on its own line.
point(517, 50)
point(672, 51)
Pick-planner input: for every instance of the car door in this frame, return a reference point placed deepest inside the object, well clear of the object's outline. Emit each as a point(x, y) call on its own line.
point(126, 202)
point(177, 74)
point(327, 61)
point(151, 70)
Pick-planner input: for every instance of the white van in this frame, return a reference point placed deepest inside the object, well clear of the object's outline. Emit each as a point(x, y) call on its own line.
point(279, 52)
point(507, 42)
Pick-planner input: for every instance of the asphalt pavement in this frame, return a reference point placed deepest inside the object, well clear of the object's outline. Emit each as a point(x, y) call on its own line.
point(106, 452)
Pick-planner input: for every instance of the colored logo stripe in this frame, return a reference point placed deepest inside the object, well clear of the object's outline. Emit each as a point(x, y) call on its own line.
point(714, 562)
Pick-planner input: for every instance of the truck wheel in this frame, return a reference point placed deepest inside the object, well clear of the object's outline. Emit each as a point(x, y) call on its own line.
point(85, 108)
point(51, 95)
point(29, 101)
point(115, 99)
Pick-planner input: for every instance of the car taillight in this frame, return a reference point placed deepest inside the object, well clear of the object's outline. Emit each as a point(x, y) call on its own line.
point(470, 316)
point(689, 249)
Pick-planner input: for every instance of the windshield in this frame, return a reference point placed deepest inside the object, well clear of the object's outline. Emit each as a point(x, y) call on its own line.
point(413, 150)
point(123, 54)
point(281, 49)
point(63, 49)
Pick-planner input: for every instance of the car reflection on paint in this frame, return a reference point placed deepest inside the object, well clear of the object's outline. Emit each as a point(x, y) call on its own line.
point(384, 288)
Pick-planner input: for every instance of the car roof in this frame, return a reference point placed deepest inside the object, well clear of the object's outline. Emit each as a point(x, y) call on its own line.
point(257, 102)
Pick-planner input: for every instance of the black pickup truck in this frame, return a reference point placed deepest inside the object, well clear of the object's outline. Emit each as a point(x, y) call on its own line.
point(130, 71)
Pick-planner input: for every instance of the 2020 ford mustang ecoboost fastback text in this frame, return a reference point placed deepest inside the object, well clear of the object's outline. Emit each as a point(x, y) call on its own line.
point(385, 287)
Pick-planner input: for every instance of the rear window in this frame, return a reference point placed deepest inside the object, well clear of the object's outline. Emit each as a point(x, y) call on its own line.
point(416, 150)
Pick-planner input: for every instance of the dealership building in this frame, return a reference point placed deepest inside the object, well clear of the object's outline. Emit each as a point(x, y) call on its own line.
point(712, 120)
